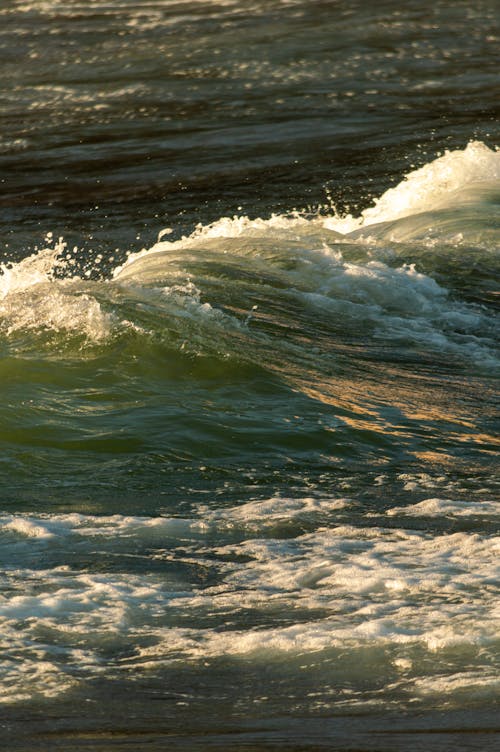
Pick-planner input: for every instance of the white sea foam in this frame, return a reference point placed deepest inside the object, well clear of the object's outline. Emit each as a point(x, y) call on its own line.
point(480, 685)
point(375, 589)
point(399, 304)
point(27, 528)
point(262, 516)
point(30, 272)
point(36, 296)
point(433, 186)
point(253, 518)
point(448, 508)
point(46, 527)
point(283, 227)
point(31, 298)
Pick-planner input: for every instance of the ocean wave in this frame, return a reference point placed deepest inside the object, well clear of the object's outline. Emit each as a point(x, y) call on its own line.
point(238, 285)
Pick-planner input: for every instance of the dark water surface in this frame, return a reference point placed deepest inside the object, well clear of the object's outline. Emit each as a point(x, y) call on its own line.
point(249, 369)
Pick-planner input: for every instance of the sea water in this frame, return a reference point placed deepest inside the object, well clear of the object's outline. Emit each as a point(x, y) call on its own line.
point(249, 370)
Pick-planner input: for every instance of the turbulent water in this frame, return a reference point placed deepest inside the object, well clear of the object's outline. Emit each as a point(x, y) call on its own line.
point(249, 354)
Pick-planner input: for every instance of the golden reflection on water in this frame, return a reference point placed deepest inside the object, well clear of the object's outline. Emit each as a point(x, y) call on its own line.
point(435, 458)
point(390, 401)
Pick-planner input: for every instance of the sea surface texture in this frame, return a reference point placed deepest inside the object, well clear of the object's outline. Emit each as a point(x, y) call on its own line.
point(249, 359)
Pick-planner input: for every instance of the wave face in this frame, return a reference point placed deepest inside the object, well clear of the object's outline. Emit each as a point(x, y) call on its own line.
point(278, 317)
point(248, 487)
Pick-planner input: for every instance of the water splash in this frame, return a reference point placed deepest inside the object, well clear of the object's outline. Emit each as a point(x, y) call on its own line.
point(32, 297)
point(433, 186)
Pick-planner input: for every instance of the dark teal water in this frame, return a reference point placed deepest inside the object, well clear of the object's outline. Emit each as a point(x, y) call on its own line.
point(249, 370)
